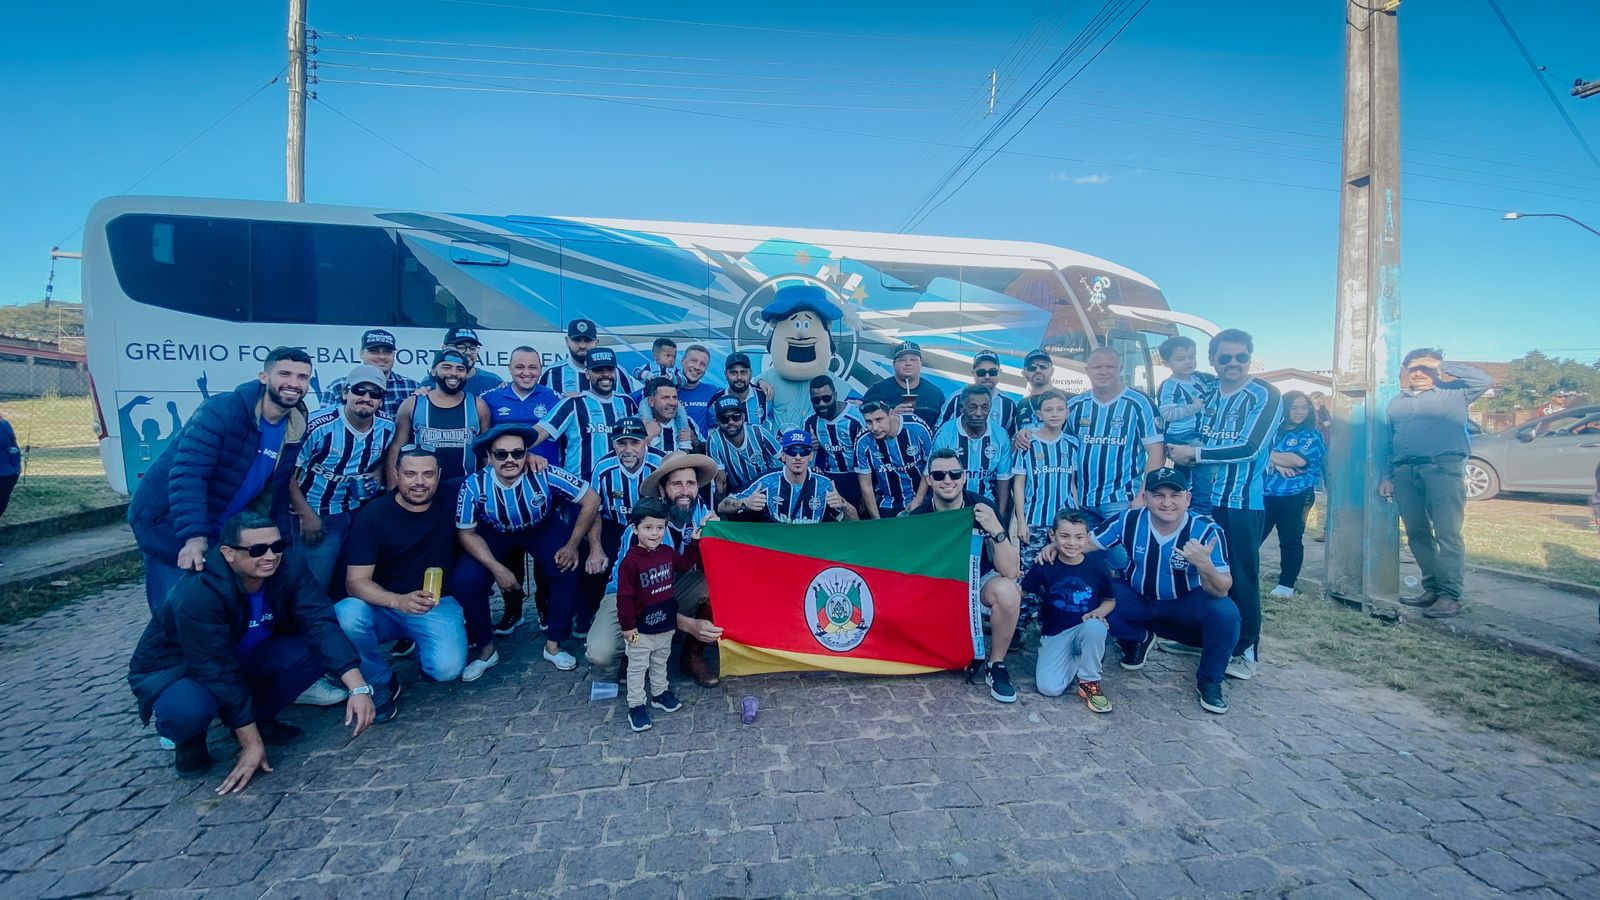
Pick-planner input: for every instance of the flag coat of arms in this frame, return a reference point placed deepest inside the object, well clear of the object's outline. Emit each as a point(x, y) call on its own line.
point(887, 597)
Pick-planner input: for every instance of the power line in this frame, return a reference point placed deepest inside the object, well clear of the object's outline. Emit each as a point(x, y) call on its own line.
point(586, 95)
point(408, 154)
point(1548, 91)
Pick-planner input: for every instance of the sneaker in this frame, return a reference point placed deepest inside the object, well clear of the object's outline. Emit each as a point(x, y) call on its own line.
point(387, 710)
point(974, 669)
point(1177, 647)
point(1426, 598)
point(666, 701)
point(477, 667)
point(395, 687)
point(639, 718)
point(275, 733)
point(563, 660)
point(1241, 667)
point(323, 692)
point(1093, 698)
point(1282, 592)
point(508, 624)
point(1211, 699)
point(192, 757)
point(998, 678)
point(403, 647)
point(1134, 652)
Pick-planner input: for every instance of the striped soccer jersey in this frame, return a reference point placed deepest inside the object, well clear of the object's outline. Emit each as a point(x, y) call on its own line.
point(756, 407)
point(617, 487)
point(758, 455)
point(1235, 440)
point(395, 393)
point(449, 430)
point(335, 460)
point(521, 505)
point(1005, 411)
point(1113, 436)
point(666, 440)
point(790, 502)
point(836, 440)
point(566, 378)
point(1050, 478)
point(1174, 400)
point(584, 424)
point(651, 370)
point(1156, 566)
point(987, 457)
point(895, 463)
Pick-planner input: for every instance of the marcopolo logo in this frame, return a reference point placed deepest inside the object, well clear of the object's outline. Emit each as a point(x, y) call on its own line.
point(838, 605)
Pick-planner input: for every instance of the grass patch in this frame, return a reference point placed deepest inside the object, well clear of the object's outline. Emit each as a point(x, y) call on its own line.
point(36, 498)
point(1503, 691)
point(51, 422)
point(16, 605)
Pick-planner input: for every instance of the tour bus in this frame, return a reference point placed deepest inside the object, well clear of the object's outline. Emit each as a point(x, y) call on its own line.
point(184, 297)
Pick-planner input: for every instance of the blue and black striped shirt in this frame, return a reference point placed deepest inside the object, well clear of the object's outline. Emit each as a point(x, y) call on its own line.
point(618, 487)
point(1114, 436)
point(583, 424)
point(1235, 441)
point(336, 461)
point(566, 378)
point(895, 463)
point(1156, 566)
point(520, 505)
point(789, 502)
point(758, 455)
point(836, 440)
point(1050, 478)
point(987, 457)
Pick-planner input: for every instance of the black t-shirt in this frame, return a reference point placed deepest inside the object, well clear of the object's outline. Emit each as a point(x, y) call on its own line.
point(401, 544)
point(1067, 591)
point(930, 398)
point(968, 498)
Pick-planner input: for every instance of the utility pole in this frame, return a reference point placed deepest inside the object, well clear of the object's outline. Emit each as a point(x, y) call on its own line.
point(295, 148)
point(1582, 89)
point(1363, 543)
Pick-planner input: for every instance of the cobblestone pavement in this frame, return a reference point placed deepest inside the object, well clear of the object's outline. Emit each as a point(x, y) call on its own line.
point(1313, 786)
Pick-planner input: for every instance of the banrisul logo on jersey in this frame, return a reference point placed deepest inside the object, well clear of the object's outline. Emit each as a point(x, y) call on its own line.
point(839, 605)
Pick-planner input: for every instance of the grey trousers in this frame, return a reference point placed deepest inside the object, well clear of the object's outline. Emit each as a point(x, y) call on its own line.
point(1433, 499)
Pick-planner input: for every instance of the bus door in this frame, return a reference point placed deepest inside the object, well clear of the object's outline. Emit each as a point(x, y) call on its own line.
point(1133, 350)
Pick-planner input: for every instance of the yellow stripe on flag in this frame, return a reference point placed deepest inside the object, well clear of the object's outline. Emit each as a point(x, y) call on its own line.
point(742, 659)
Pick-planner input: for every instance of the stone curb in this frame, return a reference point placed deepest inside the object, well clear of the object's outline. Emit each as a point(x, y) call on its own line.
point(29, 532)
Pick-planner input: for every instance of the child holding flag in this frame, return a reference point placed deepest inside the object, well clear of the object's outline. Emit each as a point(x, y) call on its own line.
point(1075, 600)
point(647, 608)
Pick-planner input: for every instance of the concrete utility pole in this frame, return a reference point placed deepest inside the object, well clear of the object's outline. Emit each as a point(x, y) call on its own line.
point(295, 149)
point(1363, 530)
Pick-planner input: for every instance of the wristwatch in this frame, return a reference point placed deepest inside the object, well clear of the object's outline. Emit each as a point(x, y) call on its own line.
point(364, 689)
point(1000, 539)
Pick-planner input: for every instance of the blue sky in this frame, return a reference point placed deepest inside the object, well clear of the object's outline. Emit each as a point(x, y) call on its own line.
point(1201, 149)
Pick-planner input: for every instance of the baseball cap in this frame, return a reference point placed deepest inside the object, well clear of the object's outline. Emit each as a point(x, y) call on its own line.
point(907, 347)
point(982, 355)
point(1038, 353)
point(1166, 476)
point(796, 437)
point(737, 359)
point(582, 328)
point(377, 337)
point(365, 374)
point(725, 404)
point(460, 335)
point(447, 355)
point(601, 358)
point(629, 427)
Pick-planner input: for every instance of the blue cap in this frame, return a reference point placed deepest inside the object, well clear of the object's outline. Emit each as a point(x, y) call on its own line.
point(796, 297)
point(725, 404)
point(796, 437)
point(601, 358)
point(448, 355)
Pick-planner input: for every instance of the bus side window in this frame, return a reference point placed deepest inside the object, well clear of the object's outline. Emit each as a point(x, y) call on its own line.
point(187, 264)
point(329, 274)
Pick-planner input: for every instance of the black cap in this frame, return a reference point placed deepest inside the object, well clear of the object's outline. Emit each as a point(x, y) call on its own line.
point(462, 335)
point(377, 337)
point(726, 403)
point(629, 427)
point(1166, 476)
point(448, 355)
point(601, 358)
point(905, 347)
point(1038, 353)
point(582, 328)
point(982, 355)
point(737, 359)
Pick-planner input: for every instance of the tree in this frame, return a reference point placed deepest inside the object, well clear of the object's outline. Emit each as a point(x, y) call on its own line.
point(1534, 378)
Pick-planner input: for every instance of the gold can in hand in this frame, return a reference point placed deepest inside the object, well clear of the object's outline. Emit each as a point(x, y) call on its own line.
point(433, 581)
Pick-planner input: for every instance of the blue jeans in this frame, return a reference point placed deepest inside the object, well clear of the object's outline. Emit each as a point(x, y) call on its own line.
point(440, 635)
point(160, 577)
point(471, 581)
point(1097, 516)
point(1196, 618)
point(323, 556)
point(277, 670)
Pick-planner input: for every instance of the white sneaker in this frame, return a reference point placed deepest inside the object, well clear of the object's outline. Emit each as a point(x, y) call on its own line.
point(1282, 592)
point(323, 692)
point(477, 667)
point(562, 660)
point(1241, 667)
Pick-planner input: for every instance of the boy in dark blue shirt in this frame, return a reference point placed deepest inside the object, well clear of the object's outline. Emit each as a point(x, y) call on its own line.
point(1074, 599)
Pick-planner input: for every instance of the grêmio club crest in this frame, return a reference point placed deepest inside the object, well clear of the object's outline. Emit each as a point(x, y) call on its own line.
point(838, 606)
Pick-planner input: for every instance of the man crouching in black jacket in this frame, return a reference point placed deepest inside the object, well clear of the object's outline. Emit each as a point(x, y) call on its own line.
point(240, 639)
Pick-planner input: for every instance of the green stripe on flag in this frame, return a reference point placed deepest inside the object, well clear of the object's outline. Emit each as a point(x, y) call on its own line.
point(934, 545)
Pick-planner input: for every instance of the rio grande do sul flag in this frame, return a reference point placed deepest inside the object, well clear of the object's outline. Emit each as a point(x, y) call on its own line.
point(887, 597)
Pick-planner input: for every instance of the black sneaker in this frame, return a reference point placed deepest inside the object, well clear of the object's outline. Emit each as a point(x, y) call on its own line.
point(192, 758)
point(1134, 652)
point(403, 647)
point(1211, 699)
point(275, 733)
point(666, 701)
point(999, 680)
point(395, 687)
point(639, 718)
point(974, 669)
point(386, 711)
point(508, 624)
point(1016, 641)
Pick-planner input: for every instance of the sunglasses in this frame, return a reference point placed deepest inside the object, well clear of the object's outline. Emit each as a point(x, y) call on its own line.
point(986, 373)
point(375, 393)
point(418, 446)
point(731, 417)
point(947, 475)
point(825, 398)
point(503, 455)
point(1225, 358)
point(1040, 367)
point(797, 451)
point(1429, 369)
point(257, 551)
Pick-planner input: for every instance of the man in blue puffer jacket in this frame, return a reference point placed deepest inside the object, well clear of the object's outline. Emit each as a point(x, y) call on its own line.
point(236, 452)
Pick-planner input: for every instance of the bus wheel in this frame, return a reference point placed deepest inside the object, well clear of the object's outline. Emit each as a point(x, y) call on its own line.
point(1482, 482)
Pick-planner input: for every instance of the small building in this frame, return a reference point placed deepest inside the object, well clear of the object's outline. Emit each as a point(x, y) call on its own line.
point(30, 369)
point(1302, 380)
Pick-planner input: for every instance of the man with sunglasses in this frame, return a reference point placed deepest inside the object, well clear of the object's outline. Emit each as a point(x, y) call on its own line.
point(793, 494)
point(757, 405)
point(1004, 410)
point(341, 466)
point(890, 456)
point(505, 515)
point(617, 482)
point(743, 451)
point(997, 565)
point(240, 639)
point(835, 427)
point(377, 350)
point(1423, 474)
point(1236, 427)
